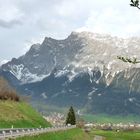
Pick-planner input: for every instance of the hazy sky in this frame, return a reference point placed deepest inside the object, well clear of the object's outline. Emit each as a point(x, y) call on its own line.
point(24, 22)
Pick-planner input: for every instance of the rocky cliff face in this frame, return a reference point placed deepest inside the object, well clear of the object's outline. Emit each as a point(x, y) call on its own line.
point(82, 70)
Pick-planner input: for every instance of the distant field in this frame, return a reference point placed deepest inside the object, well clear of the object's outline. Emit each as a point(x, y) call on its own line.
point(111, 135)
point(103, 118)
point(74, 134)
point(19, 115)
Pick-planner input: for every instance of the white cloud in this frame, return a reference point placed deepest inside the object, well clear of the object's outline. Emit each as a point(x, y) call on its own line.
point(114, 22)
point(29, 43)
point(57, 18)
point(9, 13)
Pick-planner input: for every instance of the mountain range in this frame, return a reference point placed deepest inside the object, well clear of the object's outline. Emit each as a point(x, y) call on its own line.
point(81, 70)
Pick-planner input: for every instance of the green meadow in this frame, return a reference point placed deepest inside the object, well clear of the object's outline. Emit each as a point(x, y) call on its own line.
point(104, 118)
point(112, 135)
point(20, 115)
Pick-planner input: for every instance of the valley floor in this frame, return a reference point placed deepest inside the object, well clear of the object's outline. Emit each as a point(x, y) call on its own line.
point(112, 135)
point(104, 118)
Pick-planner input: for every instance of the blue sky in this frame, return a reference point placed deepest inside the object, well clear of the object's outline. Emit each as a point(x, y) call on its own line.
point(25, 22)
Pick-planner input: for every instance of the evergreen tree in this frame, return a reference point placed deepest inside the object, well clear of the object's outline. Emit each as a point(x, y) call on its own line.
point(71, 119)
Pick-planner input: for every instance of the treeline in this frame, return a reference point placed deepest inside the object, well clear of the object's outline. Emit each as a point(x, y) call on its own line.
point(7, 92)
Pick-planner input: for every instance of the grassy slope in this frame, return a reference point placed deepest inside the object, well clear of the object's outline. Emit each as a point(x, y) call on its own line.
point(111, 135)
point(19, 115)
point(103, 118)
point(73, 134)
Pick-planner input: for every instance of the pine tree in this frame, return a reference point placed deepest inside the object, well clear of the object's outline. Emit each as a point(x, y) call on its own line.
point(71, 119)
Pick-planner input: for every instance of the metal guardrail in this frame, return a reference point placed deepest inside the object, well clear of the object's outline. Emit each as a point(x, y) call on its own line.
point(19, 132)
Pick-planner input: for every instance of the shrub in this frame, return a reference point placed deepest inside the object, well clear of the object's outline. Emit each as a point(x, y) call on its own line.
point(6, 91)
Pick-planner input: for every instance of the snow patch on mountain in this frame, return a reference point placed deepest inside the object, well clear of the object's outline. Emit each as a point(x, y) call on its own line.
point(24, 75)
point(16, 70)
point(60, 73)
point(44, 95)
point(3, 62)
point(31, 78)
point(35, 55)
point(72, 75)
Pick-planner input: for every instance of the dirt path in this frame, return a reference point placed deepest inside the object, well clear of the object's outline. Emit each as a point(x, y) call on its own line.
point(98, 138)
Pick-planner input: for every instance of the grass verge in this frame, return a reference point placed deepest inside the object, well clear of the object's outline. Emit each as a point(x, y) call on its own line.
point(73, 134)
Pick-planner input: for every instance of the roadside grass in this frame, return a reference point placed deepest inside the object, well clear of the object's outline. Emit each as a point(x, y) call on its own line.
point(112, 135)
point(104, 118)
point(73, 134)
point(20, 115)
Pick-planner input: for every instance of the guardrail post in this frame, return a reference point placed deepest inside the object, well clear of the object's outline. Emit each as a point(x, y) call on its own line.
point(28, 130)
point(3, 133)
point(11, 132)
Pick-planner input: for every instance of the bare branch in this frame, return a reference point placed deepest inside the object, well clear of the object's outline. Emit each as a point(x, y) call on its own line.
point(128, 60)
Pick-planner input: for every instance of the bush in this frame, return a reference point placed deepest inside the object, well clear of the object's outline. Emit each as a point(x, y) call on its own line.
point(6, 92)
point(80, 123)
